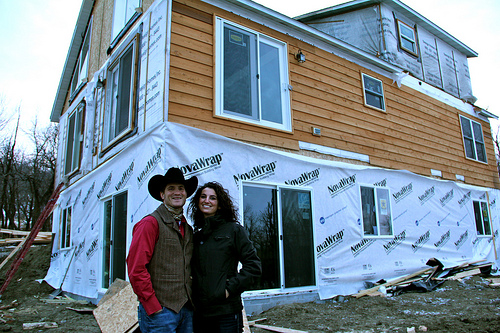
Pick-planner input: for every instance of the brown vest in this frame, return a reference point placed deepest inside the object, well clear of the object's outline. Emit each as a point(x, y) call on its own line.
point(170, 266)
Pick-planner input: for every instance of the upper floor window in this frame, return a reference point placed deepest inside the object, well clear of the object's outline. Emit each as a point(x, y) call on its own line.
point(407, 39)
point(124, 11)
point(376, 211)
point(119, 112)
point(82, 65)
point(252, 77)
point(373, 92)
point(65, 229)
point(74, 139)
point(472, 133)
point(482, 218)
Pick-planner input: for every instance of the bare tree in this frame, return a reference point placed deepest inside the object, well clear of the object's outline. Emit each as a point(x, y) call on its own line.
point(39, 173)
point(9, 180)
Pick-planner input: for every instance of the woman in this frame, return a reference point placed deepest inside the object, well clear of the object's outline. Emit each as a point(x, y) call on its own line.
point(220, 243)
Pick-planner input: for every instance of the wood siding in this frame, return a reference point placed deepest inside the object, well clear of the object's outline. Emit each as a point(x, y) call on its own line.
point(417, 133)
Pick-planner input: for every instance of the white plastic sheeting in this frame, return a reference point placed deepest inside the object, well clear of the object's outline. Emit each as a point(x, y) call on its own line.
point(431, 218)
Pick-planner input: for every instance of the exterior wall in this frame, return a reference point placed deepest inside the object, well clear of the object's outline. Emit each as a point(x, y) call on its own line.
point(417, 133)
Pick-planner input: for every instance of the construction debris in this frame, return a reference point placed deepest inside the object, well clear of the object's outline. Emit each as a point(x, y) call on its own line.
point(30, 326)
point(116, 312)
point(16, 236)
point(426, 279)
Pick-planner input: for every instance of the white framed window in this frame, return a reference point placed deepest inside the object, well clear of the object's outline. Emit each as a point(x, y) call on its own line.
point(407, 38)
point(373, 92)
point(114, 238)
point(80, 74)
point(120, 108)
point(376, 211)
point(123, 12)
point(472, 134)
point(279, 223)
point(65, 228)
point(482, 218)
point(74, 139)
point(251, 77)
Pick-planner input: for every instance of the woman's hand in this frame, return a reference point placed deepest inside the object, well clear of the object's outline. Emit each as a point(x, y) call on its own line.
point(227, 293)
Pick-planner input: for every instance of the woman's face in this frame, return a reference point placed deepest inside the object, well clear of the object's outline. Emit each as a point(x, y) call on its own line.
point(208, 203)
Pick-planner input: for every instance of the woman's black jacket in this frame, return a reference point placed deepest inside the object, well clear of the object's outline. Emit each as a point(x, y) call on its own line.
point(218, 247)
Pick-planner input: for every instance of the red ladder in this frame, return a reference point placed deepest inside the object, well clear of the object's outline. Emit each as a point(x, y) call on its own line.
point(49, 207)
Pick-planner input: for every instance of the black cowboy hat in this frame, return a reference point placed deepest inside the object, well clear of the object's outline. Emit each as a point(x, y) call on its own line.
point(157, 183)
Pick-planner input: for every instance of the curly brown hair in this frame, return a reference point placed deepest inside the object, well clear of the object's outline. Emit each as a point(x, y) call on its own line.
point(225, 204)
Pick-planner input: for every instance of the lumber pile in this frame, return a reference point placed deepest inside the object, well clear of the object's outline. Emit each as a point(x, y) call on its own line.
point(426, 279)
point(9, 236)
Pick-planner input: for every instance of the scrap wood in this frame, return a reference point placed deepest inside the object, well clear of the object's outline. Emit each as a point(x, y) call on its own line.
point(494, 282)
point(116, 312)
point(277, 329)
point(246, 328)
point(10, 306)
point(13, 252)
point(81, 310)
point(463, 274)
point(133, 328)
point(63, 299)
point(45, 324)
point(391, 283)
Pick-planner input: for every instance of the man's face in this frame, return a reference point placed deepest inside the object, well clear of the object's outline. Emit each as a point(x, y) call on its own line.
point(174, 195)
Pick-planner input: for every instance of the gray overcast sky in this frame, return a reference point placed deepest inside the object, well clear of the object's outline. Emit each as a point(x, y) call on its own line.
point(35, 36)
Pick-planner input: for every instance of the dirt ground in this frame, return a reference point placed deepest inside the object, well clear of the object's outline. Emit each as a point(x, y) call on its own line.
point(455, 306)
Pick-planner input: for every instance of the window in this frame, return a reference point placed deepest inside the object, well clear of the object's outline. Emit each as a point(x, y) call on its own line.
point(373, 92)
point(407, 39)
point(81, 68)
point(65, 230)
point(115, 236)
point(472, 133)
point(119, 113)
point(482, 218)
point(252, 77)
point(124, 12)
point(279, 223)
point(74, 139)
point(376, 211)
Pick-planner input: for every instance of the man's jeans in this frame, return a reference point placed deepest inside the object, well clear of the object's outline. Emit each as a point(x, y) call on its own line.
point(166, 321)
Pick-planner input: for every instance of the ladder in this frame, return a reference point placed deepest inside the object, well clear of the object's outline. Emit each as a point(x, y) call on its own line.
point(49, 207)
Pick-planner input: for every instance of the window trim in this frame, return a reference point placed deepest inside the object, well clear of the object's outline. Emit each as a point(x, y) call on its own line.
point(78, 137)
point(279, 207)
point(65, 239)
point(132, 113)
point(365, 90)
point(484, 234)
point(118, 34)
point(401, 36)
point(103, 201)
point(81, 64)
point(473, 140)
point(286, 112)
point(391, 222)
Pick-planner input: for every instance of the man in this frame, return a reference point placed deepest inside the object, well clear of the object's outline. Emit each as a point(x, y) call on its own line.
point(159, 257)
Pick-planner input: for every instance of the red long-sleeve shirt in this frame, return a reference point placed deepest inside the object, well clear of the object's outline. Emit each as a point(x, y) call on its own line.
point(144, 237)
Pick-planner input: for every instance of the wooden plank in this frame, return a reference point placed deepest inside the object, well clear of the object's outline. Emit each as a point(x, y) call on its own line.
point(390, 283)
point(277, 329)
point(117, 310)
point(13, 252)
point(461, 275)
